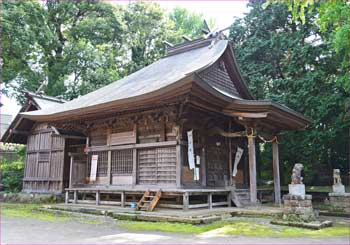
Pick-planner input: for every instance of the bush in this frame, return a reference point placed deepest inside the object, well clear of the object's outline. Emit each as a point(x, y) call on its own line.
point(11, 176)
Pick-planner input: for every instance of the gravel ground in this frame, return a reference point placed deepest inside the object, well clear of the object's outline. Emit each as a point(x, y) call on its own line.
point(34, 231)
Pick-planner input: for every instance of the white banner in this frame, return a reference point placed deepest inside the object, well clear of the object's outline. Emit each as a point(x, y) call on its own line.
point(239, 154)
point(196, 174)
point(94, 159)
point(190, 152)
point(198, 160)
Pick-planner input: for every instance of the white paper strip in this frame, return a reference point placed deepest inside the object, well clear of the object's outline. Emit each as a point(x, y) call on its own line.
point(198, 160)
point(93, 171)
point(190, 154)
point(196, 174)
point(239, 154)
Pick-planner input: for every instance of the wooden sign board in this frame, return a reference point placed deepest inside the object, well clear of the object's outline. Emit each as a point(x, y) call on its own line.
point(93, 172)
point(190, 153)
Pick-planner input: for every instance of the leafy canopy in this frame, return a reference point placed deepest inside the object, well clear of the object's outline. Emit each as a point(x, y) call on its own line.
point(291, 63)
point(78, 46)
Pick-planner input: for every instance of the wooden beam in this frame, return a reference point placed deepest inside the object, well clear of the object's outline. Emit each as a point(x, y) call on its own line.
point(98, 198)
point(246, 114)
point(276, 172)
point(67, 197)
point(210, 200)
point(252, 169)
point(109, 167)
point(178, 165)
point(203, 166)
point(134, 167)
point(15, 131)
point(75, 201)
point(132, 146)
point(71, 172)
point(122, 199)
point(185, 201)
point(230, 155)
point(229, 198)
point(221, 132)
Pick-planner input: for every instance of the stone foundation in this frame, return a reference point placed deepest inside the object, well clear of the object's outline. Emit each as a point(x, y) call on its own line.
point(339, 202)
point(298, 208)
point(31, 198)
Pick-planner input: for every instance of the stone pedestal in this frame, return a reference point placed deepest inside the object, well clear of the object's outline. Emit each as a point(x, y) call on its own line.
point(298, 207)
point(338, 188)
point(339, 202)
point(296, 189)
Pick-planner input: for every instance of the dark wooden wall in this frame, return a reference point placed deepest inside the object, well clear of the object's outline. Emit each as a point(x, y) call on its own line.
point(44, 161)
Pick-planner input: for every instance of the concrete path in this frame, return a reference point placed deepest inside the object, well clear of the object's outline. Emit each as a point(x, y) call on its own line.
point(33, 231)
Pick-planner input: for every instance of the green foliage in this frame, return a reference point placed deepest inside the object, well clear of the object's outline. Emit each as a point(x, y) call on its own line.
point(76, 47)
point(291, 63)
point(147, 28)
point(333, 17)
point(187, 23)
point(59, 42)
point(11, 176)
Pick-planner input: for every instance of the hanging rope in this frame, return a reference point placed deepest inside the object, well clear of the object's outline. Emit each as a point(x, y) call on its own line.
point(274, 139)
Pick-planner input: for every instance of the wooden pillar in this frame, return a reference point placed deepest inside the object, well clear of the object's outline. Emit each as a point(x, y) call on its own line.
point(230, 156)
point(252, 169)
point(98, 197)
point(276, 172)
point(178, 165)
point(229, 198)
point(122, 199)
point(75, 201)
point(203, 168)
point(134, 167)
point(210, 200)
point(67, 197)
point(185, 201)
point(71, 172)
point(109, 167)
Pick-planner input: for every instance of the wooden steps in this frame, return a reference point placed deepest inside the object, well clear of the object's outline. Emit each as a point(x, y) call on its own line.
point(241, 197)
point(149, 200)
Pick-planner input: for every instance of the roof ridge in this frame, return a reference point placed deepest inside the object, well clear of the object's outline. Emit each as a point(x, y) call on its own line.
point(187, 46)
point(46, 97)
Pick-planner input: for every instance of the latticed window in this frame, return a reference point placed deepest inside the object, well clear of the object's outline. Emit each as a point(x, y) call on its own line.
point(102, 162)
point(121, 162)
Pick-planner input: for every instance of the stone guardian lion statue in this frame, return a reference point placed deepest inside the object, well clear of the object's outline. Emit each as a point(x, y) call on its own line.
point(296, 174)
point(336, 177)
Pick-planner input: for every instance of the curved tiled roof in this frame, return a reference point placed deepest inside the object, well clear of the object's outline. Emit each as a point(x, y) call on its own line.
point(160, 74)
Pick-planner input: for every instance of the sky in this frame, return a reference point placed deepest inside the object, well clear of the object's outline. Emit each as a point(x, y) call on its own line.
point(222, 12)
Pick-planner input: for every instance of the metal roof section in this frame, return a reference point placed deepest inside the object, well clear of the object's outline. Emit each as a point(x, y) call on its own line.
point(158, 75)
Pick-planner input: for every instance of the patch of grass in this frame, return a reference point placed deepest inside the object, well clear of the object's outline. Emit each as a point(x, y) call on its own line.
point(326, 232)
point(236, 227)
point(91, 221)
point(30, 211)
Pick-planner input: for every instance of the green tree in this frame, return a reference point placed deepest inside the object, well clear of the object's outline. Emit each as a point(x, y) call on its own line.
point(293, 64)
point(187, 23)
point(147, 28)
point(78, 46)
point(65, 43)
point(334, 18)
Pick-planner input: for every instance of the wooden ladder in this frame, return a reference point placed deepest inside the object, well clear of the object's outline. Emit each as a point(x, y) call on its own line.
point(149, 200)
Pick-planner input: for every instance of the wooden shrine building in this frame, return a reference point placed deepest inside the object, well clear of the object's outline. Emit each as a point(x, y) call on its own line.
point(178, 128)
